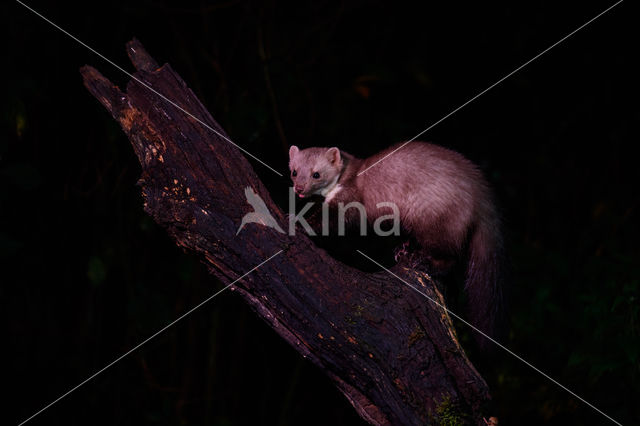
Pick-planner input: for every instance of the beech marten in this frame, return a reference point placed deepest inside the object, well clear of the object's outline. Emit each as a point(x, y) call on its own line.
point(444, 204)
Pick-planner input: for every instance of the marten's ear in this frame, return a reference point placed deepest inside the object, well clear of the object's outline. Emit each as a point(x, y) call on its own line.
point(293, 151)
point(333, 155)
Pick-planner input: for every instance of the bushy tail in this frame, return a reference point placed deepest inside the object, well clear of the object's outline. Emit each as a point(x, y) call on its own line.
point(485, 281)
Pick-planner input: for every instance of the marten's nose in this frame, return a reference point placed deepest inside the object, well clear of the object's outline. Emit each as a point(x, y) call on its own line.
point(298, 188)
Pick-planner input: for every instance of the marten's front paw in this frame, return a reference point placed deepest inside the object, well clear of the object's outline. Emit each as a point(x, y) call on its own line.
point(401, 251)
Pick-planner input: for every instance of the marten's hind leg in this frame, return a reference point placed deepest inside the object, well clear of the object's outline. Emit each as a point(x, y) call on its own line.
point(439, 263)
point(439, 251)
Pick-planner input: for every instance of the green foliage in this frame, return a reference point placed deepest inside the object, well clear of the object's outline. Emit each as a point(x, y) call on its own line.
point(448, 413)
point(96, 271)
point(23, 175)
point(577, 317)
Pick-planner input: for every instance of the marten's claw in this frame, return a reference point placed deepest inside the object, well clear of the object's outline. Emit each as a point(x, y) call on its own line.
point(403, 250)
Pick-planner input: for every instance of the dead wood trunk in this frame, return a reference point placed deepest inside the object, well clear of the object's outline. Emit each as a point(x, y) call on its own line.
point(392, 353)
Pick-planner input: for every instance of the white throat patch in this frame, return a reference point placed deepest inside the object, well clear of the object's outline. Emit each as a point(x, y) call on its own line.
point(332, 193)
point(329, 188)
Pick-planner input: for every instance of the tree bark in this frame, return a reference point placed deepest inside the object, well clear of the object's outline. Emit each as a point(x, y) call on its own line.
point(393, 353)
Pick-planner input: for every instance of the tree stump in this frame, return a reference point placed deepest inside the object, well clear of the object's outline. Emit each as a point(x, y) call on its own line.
point(393, 353)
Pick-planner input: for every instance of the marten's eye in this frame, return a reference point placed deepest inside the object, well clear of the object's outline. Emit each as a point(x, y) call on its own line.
point(294, 173)
point(316, 175)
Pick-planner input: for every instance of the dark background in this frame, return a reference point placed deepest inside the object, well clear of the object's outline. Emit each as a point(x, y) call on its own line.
point(86, 275)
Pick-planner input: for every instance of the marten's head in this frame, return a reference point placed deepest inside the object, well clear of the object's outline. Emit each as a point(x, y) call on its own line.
point(314, 170)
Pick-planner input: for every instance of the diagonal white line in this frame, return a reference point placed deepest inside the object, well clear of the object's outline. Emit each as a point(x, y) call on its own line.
point(494, 85)
point(150, 88)
point(147, 339)
point(494, 341)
